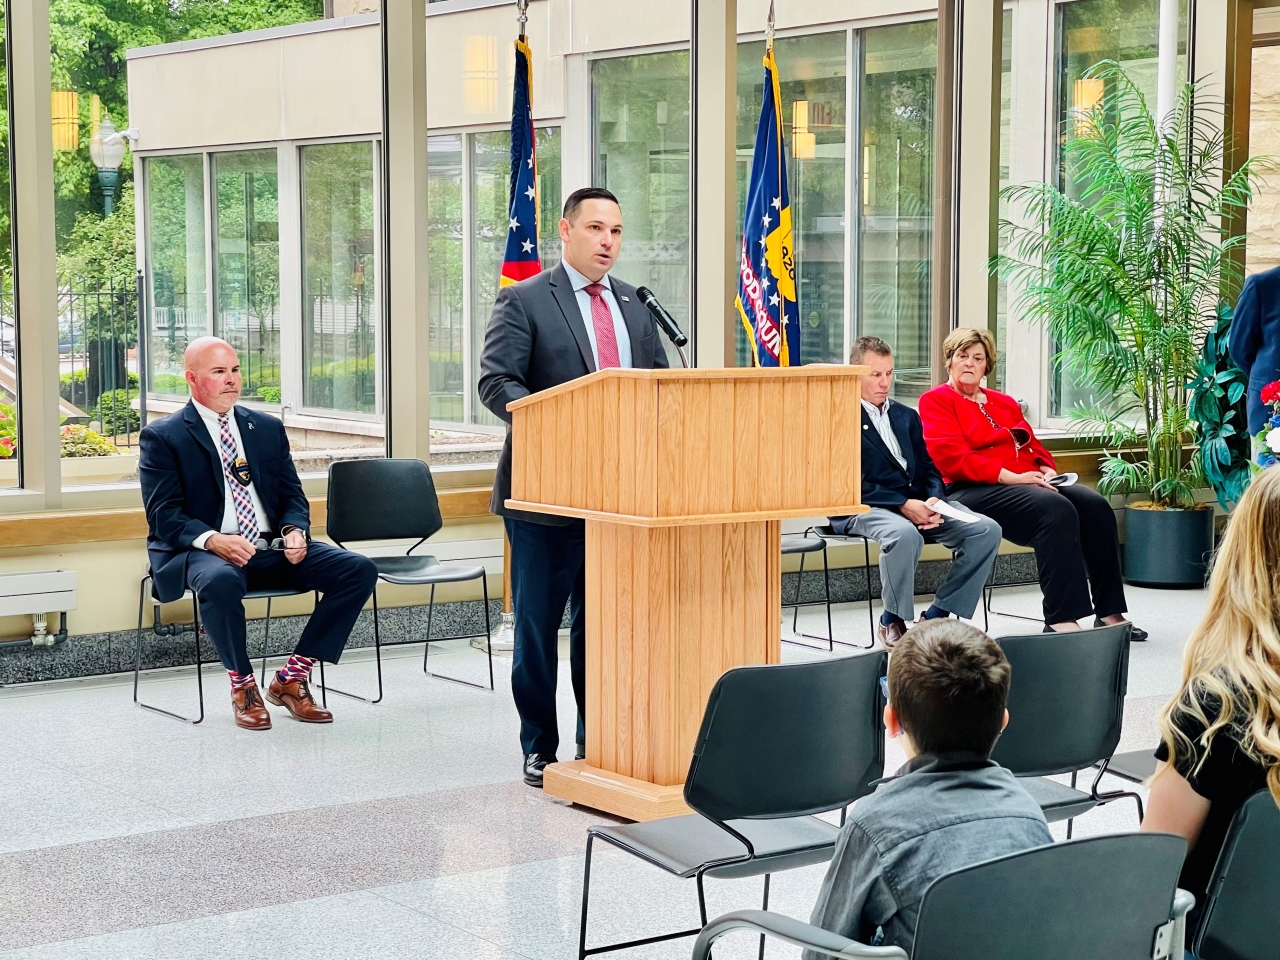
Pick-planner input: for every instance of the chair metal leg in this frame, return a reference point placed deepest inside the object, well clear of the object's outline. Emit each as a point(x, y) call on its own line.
point(826, 595)
point(764, 906)
point(377, 657)
point(989, 595)
point(137, 662)
point(583, 952)
point(1102, 798)
point(1071, 821)
point(427, 650)
point(866, 569)
point(266, 644)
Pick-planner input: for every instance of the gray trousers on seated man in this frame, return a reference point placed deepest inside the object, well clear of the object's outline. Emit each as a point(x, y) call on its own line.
point(974, 546)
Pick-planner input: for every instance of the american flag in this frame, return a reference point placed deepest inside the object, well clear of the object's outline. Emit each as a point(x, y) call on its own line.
point(521, 258)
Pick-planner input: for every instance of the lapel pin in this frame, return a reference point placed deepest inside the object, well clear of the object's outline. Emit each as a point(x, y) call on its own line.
point(866, 427)
point(626, 299)
point(250, 424)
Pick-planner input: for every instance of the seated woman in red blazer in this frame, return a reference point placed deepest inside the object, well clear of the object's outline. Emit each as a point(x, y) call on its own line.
point(994, 465)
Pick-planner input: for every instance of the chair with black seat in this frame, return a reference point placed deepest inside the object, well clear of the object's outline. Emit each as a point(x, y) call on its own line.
point(395, 499)
point(1136, 766)
point(1241, 915)
point(1066, 711)
point(177, 629)
point(802, 546)
point(778, 745)
point(1110, 896)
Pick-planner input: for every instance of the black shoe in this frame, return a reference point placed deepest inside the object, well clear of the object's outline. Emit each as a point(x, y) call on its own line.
point(1136, 633)
point(534, 764)
point(580, 753)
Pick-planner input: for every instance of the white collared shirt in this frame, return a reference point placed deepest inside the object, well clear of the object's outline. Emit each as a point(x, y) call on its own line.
point(620, 333)
point(229, 522)
point(880, 420)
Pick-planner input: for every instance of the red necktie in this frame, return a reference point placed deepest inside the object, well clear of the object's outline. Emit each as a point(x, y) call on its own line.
point(602, 320)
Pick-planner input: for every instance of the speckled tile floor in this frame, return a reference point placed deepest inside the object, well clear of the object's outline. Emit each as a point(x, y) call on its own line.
point(402, 830)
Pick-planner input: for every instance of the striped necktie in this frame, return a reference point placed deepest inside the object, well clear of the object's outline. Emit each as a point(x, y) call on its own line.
point(245, 516)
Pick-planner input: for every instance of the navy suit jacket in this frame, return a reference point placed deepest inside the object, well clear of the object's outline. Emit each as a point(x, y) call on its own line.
point(1254, 339)
point(885, 483)
point(184, 493)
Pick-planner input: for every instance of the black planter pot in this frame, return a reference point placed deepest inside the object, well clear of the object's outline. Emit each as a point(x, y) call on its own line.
point(1167, 548)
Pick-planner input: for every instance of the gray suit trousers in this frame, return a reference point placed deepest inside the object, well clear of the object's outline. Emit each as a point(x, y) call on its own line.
point(974, 546)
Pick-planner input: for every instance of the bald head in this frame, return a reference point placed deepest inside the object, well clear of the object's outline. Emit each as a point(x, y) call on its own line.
point(213, 373)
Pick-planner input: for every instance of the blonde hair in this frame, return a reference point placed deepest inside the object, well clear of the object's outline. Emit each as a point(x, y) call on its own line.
point(963, 337)
point(1233, 654)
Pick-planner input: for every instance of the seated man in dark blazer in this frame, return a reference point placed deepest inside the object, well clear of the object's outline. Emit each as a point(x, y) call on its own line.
point(901, 485)
point(1254, 340)
point(219, 486)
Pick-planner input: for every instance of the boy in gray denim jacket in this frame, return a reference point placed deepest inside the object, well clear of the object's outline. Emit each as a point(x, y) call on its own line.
point(949, 807)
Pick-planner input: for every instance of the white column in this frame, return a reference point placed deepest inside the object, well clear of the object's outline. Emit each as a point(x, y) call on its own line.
point(291, 292)
point(35, 253)
point(1167, 62)
point(405, 70)
point(713, 202)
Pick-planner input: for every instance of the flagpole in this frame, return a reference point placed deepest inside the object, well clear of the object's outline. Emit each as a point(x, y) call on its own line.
point(768, 29)
point(522, 15)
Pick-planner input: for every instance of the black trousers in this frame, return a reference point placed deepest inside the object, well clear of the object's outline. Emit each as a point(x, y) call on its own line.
point(548, 568)
point(344, 580)
point(1073, 532)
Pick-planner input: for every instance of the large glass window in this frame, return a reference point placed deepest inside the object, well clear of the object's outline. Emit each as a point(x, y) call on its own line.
point(445, 234)
point(176, 254)
point(247, 262)
point(339, 281)
point(813, 71)
point(490, 183)
point(895, 229)
point(640, 133)
point(1089, 32)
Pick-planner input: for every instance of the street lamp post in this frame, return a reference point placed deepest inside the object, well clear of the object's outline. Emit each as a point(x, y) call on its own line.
point(106, 148)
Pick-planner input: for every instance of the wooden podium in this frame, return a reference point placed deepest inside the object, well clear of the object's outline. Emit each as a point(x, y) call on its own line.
point(682, 477)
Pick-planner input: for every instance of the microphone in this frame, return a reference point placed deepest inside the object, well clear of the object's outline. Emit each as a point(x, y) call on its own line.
point(665, 320)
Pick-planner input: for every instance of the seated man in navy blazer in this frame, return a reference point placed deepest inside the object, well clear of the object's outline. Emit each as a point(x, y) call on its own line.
point(219, 487)
point(901, 484)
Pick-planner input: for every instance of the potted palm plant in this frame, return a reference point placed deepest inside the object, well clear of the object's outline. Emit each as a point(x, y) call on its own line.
point(1128, 270)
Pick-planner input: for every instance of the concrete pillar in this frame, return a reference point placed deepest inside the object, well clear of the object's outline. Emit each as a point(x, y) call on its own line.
point(713, 201)
point(944, 162)
point(35, 253)
point(977, 203)
point(405, 142)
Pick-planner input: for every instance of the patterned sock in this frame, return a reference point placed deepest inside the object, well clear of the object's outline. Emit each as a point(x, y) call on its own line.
point(296, 668)
point(935, 612)
point(240, 680)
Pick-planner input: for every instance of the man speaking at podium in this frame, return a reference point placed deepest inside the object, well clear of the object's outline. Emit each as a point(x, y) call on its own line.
point(564, 323)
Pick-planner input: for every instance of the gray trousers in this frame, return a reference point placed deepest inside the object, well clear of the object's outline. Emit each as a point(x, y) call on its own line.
point(974, 546)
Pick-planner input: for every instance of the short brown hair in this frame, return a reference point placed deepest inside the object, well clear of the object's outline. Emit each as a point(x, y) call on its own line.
point(949, 683)
point(864, 345)
point(963, 337)
point(582, 194)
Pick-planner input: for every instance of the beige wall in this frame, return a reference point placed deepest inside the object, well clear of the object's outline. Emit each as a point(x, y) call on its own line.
point(109, 574)
point(1263, 249)
point(320, 84)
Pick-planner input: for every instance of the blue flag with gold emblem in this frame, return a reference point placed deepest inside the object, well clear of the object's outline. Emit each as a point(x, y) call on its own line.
point(520, 261)
point(766, 299)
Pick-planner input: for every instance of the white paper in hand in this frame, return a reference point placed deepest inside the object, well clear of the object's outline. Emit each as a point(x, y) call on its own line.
point(953, 512)
point(1064, 479)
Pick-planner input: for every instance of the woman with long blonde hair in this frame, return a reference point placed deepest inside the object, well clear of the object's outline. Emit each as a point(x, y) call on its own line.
point(1221, 731)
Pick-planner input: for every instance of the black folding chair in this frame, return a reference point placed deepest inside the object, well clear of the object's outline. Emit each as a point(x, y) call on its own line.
point(778, 744)
point(1066, 710)
point(800, 544)
point(1241, 916)
point(178, 629)
point(1136, 766)
point(395, 499)
point(1112, 897)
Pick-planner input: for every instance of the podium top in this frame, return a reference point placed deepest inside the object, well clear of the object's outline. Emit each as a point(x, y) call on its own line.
point(680, 447)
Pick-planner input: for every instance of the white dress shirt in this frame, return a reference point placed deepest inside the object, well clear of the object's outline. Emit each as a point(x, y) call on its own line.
point(584, 304)
point(229, 522)
point(880, 420)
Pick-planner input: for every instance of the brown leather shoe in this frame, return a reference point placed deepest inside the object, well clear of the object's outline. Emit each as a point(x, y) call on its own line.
point(295, 696)
point(249, 710)
point(890, 635)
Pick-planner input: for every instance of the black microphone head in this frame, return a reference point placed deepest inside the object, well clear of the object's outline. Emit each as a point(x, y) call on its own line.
point(645, 294)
